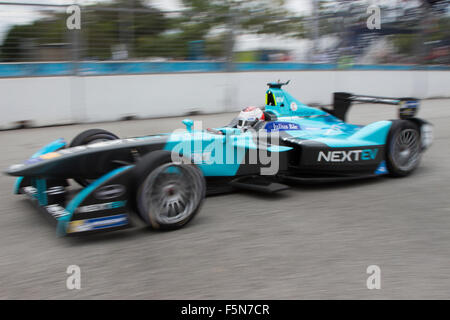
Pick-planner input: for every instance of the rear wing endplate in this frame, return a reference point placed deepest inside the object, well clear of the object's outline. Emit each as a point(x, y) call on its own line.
point(408, 107)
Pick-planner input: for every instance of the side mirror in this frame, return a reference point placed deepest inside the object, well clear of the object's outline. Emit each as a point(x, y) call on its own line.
point(188, 123)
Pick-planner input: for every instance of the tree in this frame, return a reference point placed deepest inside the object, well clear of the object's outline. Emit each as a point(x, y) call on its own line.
point(147, 32)
point(226, 18)
point(104, 26)
point(20, 38)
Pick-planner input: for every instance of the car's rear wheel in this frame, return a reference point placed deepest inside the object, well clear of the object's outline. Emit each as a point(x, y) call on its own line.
point(169, 194)
point(403, 148)
point(88, 137)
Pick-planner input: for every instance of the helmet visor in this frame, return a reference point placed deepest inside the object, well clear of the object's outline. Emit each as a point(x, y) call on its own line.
point(245, 123)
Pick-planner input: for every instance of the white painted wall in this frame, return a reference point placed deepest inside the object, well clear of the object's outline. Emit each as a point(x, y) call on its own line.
point(60, 100)
point(43, 100)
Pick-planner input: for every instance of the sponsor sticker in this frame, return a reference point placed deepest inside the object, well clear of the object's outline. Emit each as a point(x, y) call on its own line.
point(382, 168)
point(281, 126)
point(408, 109)
point(110, 192)
point(98, 223)
point(101, 206)
point(347, 155)
point(51, 155)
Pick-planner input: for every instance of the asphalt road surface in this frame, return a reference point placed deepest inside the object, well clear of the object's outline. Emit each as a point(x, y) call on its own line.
point(306, 243)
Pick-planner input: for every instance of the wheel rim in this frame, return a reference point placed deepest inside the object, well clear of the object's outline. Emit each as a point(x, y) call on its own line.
point(172, 192)
point(406, 149)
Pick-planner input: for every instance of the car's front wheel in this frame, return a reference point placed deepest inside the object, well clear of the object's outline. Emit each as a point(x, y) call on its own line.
point(169, 194)
point(403, 148)
point(89, 137)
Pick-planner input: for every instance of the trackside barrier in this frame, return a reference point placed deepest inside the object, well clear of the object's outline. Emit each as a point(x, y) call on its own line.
point(62, 98)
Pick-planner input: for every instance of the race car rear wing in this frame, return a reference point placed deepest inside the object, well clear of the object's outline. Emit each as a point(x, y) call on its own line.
point(408, 107)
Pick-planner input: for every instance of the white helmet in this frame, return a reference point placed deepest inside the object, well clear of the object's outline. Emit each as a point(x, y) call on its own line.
point(249, 117)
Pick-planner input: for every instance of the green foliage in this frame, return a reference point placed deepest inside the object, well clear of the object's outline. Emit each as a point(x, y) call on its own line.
point(103, 29)
point(405, 43)
point(38, 33)
point(250, 16)
point(246, 56)
point(148, 32)
point(254, 16)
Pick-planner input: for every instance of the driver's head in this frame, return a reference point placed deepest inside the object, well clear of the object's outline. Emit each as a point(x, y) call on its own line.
point(249, 117)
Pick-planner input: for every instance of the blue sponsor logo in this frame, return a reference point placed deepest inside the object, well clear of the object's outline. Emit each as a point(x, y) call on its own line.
point(281, 126)
point(412, 104)
point(382, 169)
point(369, 154)
point(98, 223)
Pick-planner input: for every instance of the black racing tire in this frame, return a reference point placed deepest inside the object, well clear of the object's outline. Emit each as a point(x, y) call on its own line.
point(403, 148)
point(175, 186)
point(91, 135)
point(88, 137)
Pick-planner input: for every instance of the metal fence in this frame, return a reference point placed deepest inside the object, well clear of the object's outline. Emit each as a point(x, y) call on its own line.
point(129, 37)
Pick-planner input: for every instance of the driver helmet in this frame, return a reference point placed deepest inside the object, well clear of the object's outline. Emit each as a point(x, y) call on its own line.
point(249, 117)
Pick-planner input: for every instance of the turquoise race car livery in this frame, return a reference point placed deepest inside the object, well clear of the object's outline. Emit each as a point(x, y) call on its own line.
point(164, 178)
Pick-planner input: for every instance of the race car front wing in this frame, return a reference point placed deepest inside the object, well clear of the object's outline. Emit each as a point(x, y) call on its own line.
point(102, 205)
